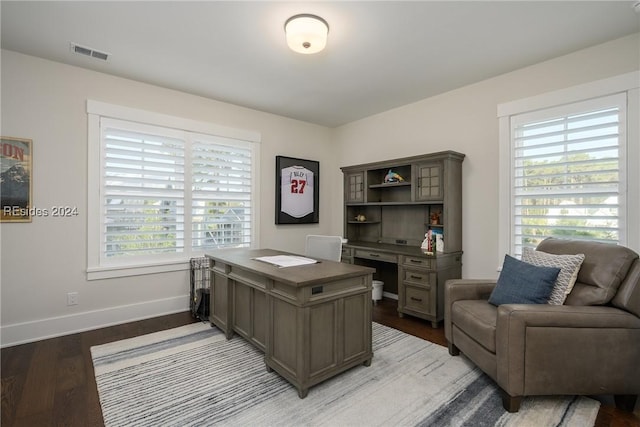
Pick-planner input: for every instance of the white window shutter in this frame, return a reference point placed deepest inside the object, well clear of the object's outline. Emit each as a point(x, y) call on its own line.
point(568, 173)
point(168, 192)
point(143, 188)
point(221, 186)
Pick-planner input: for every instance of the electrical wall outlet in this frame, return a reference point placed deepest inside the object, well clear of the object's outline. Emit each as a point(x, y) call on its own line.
point(72, 298)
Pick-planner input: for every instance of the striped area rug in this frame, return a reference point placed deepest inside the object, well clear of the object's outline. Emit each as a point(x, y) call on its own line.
point(193, 376)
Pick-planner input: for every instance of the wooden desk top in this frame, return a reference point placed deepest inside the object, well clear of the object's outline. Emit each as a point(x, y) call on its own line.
point(304, 275)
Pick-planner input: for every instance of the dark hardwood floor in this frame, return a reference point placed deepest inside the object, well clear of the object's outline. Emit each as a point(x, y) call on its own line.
point(51, 382)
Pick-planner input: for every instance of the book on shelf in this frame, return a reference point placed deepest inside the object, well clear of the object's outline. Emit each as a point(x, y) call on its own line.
point(439, 239)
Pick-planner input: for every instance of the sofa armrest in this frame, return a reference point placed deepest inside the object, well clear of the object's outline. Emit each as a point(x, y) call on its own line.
point(463, 289)
point(564, 316)
point(582, 346)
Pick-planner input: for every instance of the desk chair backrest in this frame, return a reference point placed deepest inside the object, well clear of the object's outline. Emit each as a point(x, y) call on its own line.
point(324, 247)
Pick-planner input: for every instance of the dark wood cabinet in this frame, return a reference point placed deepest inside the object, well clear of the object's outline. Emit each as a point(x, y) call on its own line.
point(386, 222)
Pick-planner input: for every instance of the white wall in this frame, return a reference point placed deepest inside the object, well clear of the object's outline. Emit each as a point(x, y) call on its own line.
point(43, 260)
point(465, 120)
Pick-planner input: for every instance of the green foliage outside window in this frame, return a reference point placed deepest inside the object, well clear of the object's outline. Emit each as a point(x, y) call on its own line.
point(568, 211)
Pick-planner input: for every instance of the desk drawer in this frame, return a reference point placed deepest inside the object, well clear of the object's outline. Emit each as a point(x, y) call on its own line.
point(219, 266)
point(379, 256)
point(248, 277)
point(414, 261)
point(418, 276)
point(418, 298)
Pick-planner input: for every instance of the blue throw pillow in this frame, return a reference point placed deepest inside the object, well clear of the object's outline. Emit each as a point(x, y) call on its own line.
point(523, 283)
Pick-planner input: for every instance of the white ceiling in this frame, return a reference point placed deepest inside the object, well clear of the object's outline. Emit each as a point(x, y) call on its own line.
point(380, 55)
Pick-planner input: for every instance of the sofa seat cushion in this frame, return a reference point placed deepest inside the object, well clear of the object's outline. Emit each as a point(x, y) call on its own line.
point(477, 319)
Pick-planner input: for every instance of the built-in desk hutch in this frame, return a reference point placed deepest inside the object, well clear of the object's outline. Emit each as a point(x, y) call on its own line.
point(385, 222)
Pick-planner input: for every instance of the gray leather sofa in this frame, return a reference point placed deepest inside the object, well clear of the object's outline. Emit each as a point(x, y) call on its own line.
point(588, 346)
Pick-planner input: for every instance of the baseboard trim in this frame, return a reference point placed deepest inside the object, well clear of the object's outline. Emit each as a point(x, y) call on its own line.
point(390, 295)
point(26, 332)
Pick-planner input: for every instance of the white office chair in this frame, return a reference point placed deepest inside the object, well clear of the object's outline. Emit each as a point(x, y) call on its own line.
point(324, 247)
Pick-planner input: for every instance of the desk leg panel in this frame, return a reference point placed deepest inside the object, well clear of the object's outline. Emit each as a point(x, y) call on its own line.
point(357, 327)
point(323, 334)
point(283, 343)
point(220, 303)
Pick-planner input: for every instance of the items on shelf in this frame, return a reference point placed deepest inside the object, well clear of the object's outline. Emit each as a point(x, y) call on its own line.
point(429, 242)
point(392, 176)
point(433, 242)
point(435, 218)
point(439, 238)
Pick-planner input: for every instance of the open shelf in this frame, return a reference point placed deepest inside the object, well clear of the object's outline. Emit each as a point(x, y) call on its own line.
point(391, 184)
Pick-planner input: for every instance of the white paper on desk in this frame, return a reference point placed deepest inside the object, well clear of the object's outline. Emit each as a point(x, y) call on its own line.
point(286, 260)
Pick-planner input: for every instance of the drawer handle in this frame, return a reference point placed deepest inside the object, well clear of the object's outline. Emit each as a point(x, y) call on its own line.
point(374, 255)
point(416, 261)
point(416, 299)
point(413, 276)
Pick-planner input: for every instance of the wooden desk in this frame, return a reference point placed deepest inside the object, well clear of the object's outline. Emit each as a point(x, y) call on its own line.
point(418, 279)
point(312, 321)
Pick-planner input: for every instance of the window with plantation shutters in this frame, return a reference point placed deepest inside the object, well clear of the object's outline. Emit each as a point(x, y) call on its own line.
point(221, 193)
point(164, 189)
point(167, 191)
point(568, 172)
point(143, 190)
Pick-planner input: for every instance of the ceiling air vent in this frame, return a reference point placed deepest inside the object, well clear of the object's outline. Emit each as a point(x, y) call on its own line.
point(88, 51)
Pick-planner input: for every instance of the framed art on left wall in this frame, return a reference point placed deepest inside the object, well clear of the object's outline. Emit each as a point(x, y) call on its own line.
point(297, 190)
point(16, 155)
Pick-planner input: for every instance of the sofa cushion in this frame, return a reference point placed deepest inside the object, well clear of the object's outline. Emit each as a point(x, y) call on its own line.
point(569, 266)
point(605, 265)
point(477, 319)
point(523, 283)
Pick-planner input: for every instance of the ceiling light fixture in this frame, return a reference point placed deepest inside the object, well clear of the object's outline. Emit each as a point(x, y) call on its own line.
point(306, 33)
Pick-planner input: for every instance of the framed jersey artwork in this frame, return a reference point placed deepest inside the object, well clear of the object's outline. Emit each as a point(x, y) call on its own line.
point(297, 190)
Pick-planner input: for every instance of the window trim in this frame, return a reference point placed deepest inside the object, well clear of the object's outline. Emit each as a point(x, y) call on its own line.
point(98, 109)
point(628, 83)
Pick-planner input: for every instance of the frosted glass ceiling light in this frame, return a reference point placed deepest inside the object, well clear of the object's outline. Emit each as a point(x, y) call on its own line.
point(306, 33)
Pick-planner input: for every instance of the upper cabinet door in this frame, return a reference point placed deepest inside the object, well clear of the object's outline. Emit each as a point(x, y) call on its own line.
point(430, 180)
point(355, 187)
